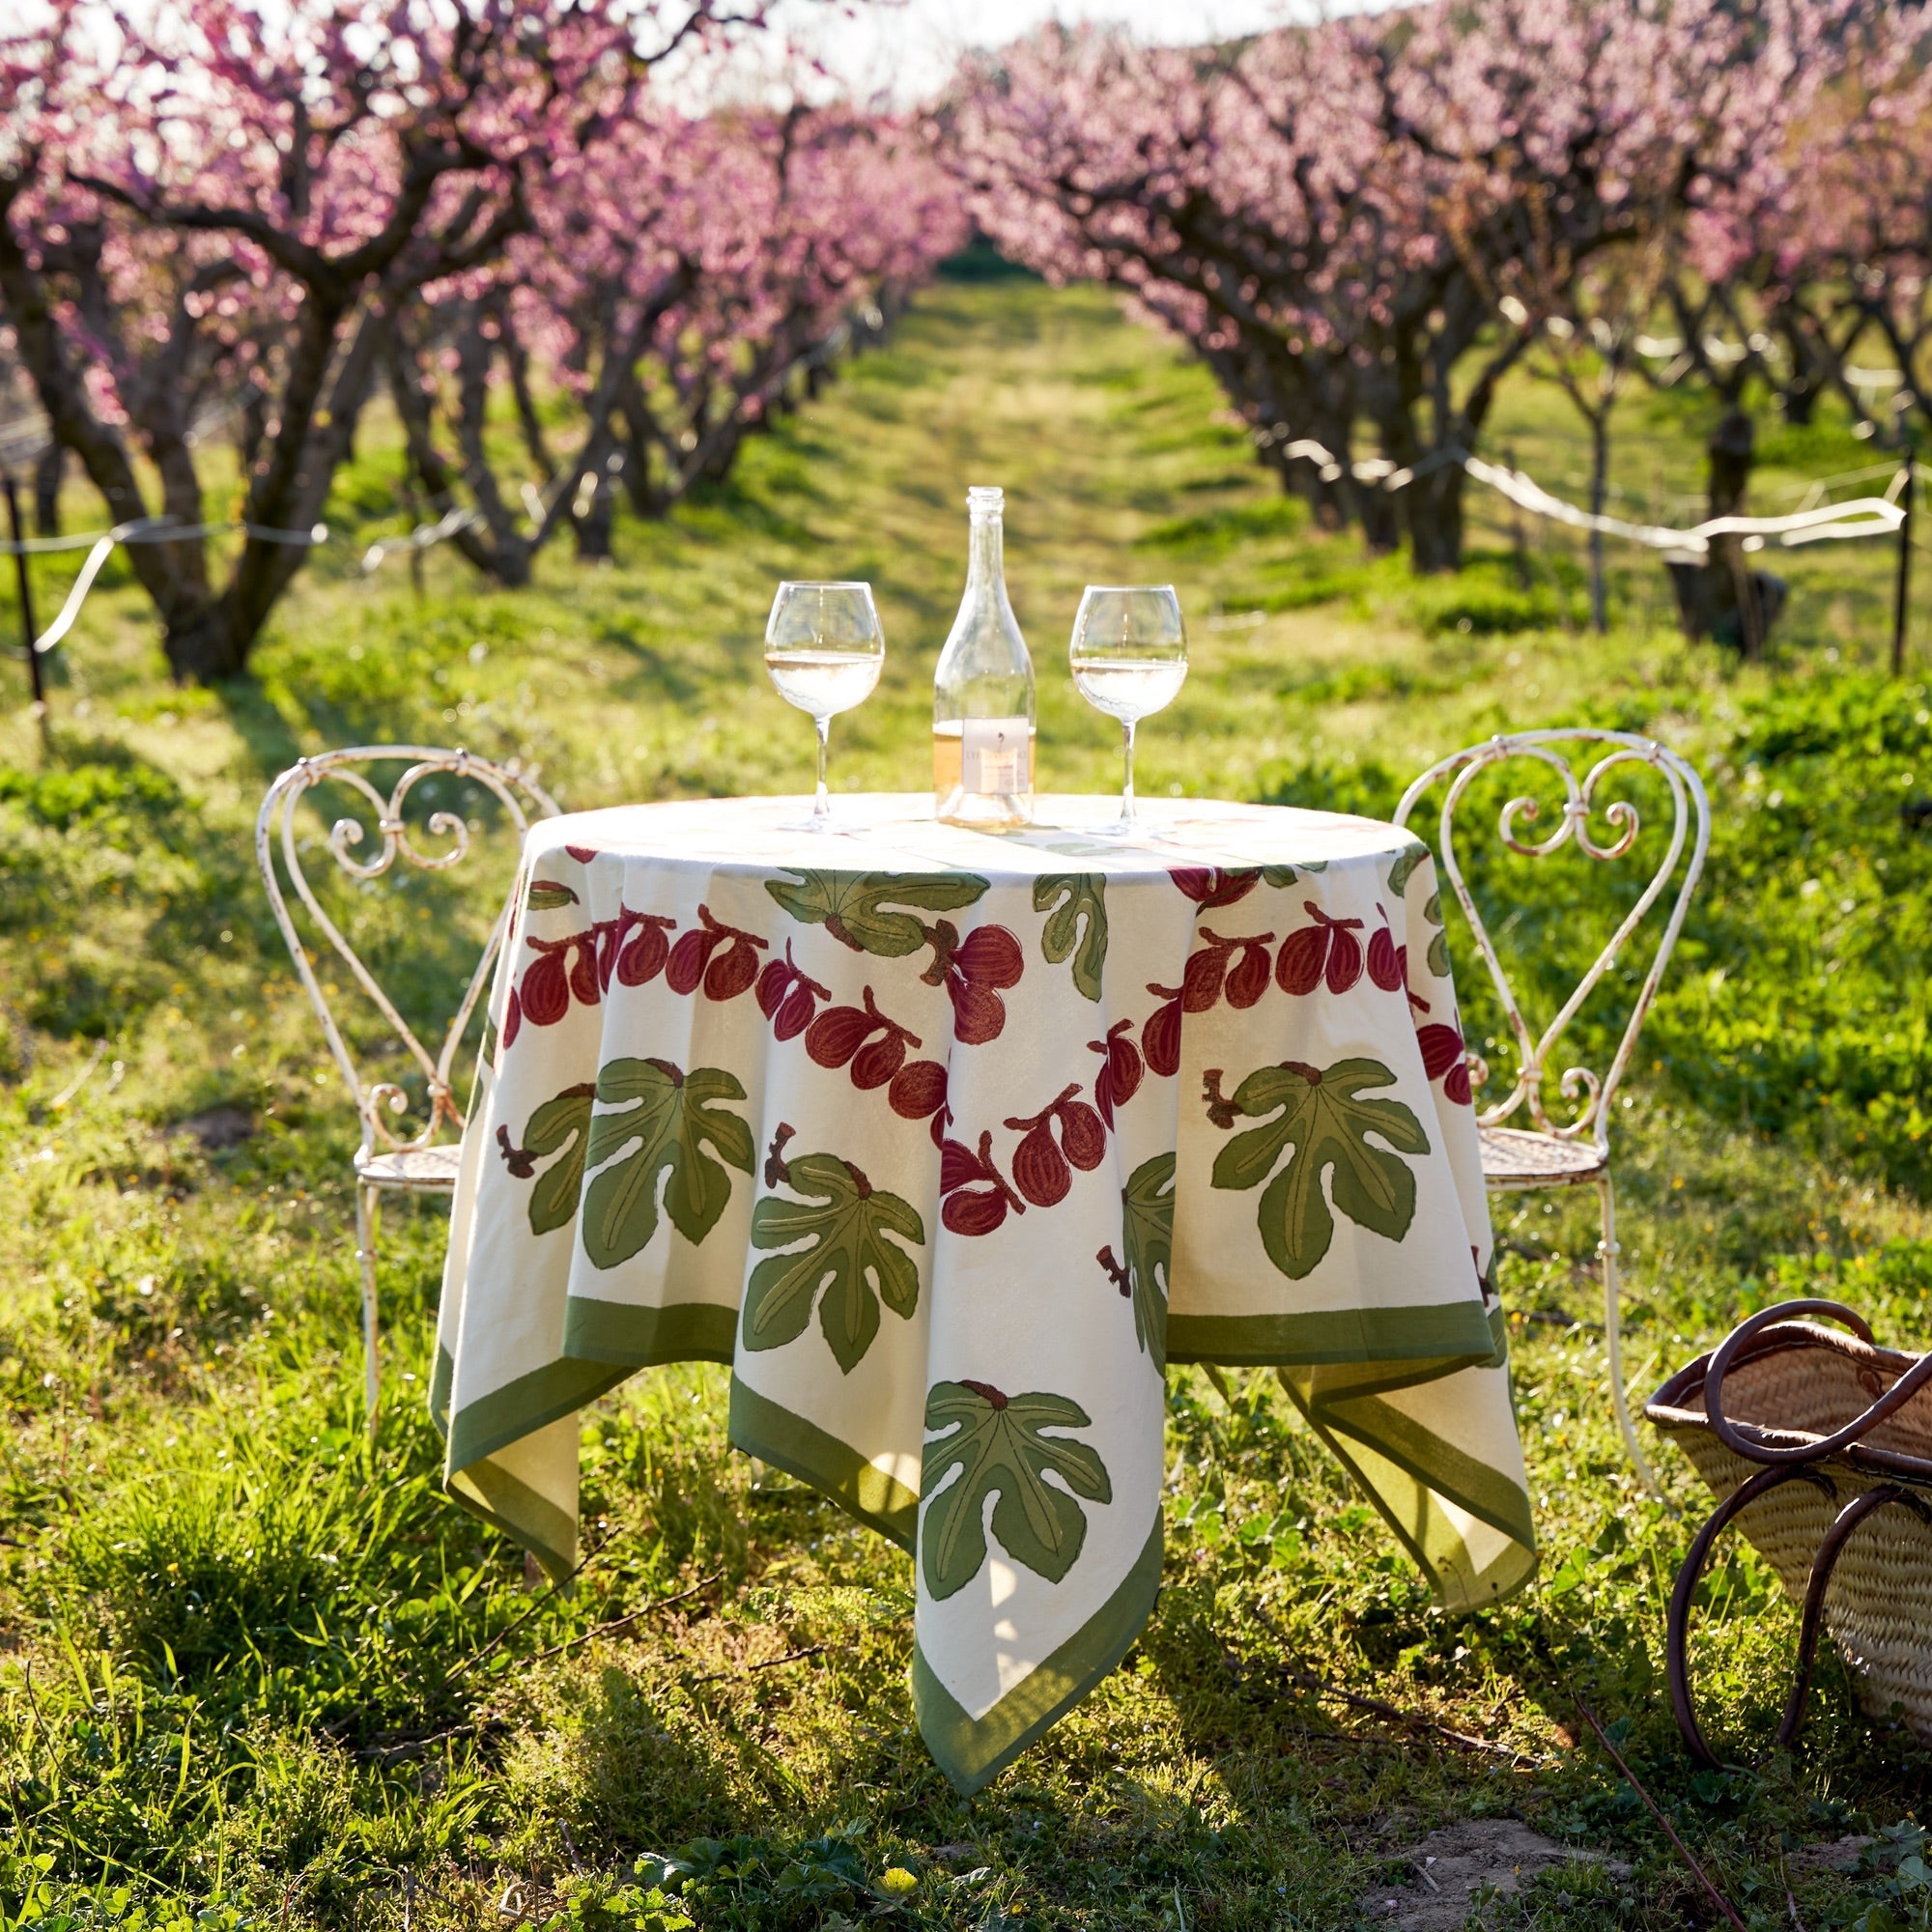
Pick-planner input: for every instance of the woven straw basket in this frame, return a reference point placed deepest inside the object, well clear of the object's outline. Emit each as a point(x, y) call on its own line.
point(1822, 1444)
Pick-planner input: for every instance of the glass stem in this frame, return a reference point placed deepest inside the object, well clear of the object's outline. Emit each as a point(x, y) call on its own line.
point(1127, 782)
point(821, 805)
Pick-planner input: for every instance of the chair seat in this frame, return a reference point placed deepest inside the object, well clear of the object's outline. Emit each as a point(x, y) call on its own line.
point(426, 1170)
point(1515, 1157)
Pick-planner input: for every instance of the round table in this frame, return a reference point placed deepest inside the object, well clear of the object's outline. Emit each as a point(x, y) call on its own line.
point(947, 1143)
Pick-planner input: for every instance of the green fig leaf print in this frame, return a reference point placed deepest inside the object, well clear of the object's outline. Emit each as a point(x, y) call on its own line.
point(1146, 1233)
point(1403, 868)
point(996, 1444)
point(844, 1222)
point(559, 1125)
point(852, 906)
point(1283, 875)
point(1081, 901)
point(1324, 1120)
point(661, 1122)
point(1439, 947)
point(547, 896)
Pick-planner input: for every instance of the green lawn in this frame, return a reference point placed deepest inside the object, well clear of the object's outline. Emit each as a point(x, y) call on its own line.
point(254, 1670)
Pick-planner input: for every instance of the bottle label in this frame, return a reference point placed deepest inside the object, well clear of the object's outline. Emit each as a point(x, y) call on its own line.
point(997, 756)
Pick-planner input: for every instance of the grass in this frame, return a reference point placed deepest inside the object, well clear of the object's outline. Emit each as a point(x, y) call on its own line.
point(253, 1671)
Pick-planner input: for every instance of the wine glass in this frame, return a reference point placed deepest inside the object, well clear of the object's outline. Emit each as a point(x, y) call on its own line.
point(823, 648)
point(1129, 657)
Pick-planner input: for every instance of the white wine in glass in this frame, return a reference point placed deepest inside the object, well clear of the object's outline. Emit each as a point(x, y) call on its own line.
point(824, 650)
point(1130, 659)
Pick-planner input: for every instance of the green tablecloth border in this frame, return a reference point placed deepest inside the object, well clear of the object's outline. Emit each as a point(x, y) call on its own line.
point(648, 1338)
point(490, 1491)
point(1448, 1329)
point(608, 1340)
point(523, 1407)
point(1435, 1466)
point(760, 1428)
point(971, 1752)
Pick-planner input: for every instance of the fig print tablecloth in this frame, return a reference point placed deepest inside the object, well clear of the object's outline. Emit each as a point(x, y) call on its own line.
point(947, 1143)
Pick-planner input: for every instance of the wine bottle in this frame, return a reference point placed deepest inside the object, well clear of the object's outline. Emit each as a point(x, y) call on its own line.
point(983, 696)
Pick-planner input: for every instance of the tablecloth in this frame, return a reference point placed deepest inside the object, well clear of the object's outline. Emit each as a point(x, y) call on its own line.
point(947, 1143)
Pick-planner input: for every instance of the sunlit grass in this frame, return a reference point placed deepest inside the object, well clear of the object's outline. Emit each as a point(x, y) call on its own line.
point(247, 1660)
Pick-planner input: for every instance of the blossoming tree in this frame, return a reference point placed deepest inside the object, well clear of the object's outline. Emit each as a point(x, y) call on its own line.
point(1333, 215)
point(204, 196)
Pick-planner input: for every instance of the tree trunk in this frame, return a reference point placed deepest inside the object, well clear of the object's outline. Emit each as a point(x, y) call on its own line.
point(254, 427)
point(517, 360)
point(48, 473)
point(513, 552)
point(205, 644)
point(592, 528)
point(634, 422)
point(413, 408)
point(1434, 506)
point(1734, 614)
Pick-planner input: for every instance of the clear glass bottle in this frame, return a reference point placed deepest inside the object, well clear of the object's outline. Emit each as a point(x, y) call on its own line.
point(983, 696)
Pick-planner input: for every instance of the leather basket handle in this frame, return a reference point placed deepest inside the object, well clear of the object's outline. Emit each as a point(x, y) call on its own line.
point(1867, 1503)
point(1677, 1647)
point(1747, 1442)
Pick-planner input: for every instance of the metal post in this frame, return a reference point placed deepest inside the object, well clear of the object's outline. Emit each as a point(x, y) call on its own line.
point(29, 630)
point(1903, 598)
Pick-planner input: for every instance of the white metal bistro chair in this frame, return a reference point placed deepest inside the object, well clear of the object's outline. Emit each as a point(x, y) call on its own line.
point(426, 1162)
point(1523, 1149)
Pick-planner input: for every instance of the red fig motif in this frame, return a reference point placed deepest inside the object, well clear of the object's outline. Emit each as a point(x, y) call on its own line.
point(1211, 885)
point(689, 958)
point(837, 1034)
point(973, 1213)
point(1206, 972)
point(795, 1014)
point(1297, 968)
point(547, 990)
point(841, 1032)
point(1345, 957)
point(1121, 1070)
point(969, 1209)
point(979, 1013)
point(1160, 1036)
point(877, 1060)
point(918, 1090)
point(727, 977)
point(775, 981)
point(1249, 979)
point(1385, 961)
point(513, 1020)
point(973, 970)
point(1082, 1135)
point(991, 956)
point(787, 996)
point(642, 953)
point(1201, 980)
point(1040, 1168)
point(583, 983)
point(1441, 1048)
point(1443, 1059)
point(957, 1166)
point(1328, 947)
